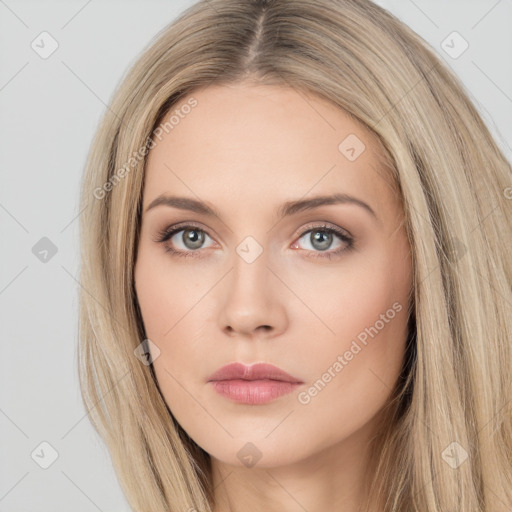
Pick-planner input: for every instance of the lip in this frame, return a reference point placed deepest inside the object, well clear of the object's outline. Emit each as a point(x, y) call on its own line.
point(258, 371)
point(252, 385)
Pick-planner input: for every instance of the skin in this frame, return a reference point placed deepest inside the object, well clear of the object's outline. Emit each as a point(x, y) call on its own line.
point(245, 149)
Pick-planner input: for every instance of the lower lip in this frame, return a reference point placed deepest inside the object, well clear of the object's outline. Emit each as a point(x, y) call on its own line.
point(253, 392)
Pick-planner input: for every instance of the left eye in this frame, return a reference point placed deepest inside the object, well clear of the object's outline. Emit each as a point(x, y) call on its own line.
point(193, 238)
point(321, 239)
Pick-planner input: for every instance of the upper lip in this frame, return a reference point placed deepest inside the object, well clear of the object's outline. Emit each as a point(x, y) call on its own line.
point(256, 371)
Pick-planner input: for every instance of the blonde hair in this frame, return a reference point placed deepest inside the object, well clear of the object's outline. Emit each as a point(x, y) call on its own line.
point(453, 179)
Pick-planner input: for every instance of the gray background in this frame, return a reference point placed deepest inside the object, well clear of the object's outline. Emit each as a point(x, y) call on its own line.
point(50, 108)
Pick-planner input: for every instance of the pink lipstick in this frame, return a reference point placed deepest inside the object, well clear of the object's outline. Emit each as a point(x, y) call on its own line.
point(253, 385)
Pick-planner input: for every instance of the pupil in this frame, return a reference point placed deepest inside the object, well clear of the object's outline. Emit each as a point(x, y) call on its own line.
point(318, 236)
point(194, 238)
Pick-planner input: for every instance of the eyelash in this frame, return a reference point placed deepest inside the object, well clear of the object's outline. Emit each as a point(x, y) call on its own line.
point(168, 232)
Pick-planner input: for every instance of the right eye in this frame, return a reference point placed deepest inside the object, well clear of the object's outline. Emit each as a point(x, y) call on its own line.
point(191, 239)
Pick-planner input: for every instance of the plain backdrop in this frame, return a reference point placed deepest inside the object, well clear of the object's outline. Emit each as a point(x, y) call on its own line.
point(50, 107)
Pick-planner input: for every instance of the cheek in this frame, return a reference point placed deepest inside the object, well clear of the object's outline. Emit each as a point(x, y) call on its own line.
point(171, 307)
point(164, 293)
point(367, 310)
point(366, 300)
point(351, 377)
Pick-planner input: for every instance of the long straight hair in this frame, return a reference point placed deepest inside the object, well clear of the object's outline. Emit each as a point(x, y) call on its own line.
point(452, 400)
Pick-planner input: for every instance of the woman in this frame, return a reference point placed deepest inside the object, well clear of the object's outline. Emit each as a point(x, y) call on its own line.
point(296, 270)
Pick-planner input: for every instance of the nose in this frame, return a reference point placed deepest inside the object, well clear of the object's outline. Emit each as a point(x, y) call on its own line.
point(252, 300)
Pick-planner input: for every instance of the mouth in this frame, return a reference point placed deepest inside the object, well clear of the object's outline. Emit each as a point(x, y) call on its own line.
point(253, 392)
point(253, 385)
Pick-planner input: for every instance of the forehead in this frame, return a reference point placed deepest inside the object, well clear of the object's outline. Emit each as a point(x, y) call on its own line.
point(252, 142)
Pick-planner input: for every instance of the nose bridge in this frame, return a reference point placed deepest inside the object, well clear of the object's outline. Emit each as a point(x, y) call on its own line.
point(250, 252)
point(250, 272)
point(251, 299)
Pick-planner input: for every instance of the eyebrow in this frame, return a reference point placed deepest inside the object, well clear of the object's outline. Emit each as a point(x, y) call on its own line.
point(286, 209)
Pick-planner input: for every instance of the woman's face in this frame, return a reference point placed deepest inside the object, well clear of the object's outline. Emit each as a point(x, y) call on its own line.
point(317, 288)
